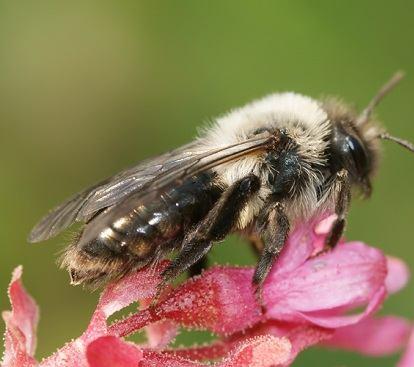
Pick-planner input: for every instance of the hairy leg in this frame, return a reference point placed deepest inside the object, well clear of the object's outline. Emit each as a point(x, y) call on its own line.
point(214, 227)
point(343, 189)
point(275, 232)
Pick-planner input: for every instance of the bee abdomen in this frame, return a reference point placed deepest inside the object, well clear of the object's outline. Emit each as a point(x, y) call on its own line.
point(162, 223)
point(135, 238)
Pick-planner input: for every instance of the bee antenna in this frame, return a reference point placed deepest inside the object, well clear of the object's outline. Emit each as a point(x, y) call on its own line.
point(385, 89)
point(404, 143)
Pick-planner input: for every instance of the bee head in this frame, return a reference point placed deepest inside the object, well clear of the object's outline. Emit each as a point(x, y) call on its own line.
point(349, 150)
point(354, 139)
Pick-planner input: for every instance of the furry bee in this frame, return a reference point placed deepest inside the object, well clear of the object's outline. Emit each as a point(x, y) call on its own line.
point(257, 171)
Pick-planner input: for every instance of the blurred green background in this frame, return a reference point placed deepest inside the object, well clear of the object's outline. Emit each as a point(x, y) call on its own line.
point(90, 87)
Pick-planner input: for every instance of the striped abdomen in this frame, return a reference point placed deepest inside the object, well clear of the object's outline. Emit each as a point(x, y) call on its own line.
point(110, 248)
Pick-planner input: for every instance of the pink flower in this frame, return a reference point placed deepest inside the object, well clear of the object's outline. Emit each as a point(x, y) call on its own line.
point(407, 359)
point(21, 324)
point(307, 300)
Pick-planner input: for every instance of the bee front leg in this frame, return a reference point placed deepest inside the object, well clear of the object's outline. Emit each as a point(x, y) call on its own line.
point(217, 224)
point(275, 232)
point(343, 199)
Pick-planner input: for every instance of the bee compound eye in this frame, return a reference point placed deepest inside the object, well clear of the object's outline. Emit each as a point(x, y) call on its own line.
point(358, 154)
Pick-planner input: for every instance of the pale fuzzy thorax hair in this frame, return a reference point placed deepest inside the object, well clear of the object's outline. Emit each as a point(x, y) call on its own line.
point(306, 123)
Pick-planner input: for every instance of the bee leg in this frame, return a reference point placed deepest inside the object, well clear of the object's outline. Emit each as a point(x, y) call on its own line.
point(343, 188)
point(275, 233)
point(198, 267)
point(214, 227)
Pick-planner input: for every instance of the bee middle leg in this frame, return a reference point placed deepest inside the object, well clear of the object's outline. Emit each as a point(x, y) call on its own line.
point(217, 224)
point(275, 232)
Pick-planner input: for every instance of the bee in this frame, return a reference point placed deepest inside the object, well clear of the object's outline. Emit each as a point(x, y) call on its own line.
point(257, 171)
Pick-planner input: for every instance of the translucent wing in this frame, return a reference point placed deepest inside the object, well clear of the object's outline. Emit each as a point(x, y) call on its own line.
point(83, 206)
point(149, 176)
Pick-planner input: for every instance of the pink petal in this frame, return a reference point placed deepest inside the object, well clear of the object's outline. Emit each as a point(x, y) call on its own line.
point(133, 287)
point(306, 239)
point(324, 225)
point(373, 336)
point(299, 247)
point(21, 325)
point(397, 276)
point(154, 359)
point(161, 333)
point(215, 350)
point(221, 300)
point(352, 275)
point(407, 359)
point(110, 351)
point(299, 336)
point(262, 351)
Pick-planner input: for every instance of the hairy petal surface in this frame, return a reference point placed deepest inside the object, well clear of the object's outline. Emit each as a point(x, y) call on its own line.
point(299, 336)
point(21, 324)
point(116, 296)
point(221, 300)
point(262, 351)
point(110, 351)
point(161, 333)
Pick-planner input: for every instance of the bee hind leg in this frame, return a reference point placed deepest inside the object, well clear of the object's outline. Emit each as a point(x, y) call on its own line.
point(217, 224)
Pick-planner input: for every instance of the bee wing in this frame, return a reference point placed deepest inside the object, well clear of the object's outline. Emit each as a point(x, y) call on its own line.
point(150, 176)
point(134, 179)
point(85, 204)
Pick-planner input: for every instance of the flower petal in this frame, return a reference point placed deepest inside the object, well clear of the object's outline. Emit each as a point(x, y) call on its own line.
point(350, 276)
point(298, 248)
point(161, 333)
point(397, 276)
point(21, 325)
point(155, 359)
point(221, 300)
point(407, 359)
point(373, 336)
point(262, 351)
point(300, 337)
point(110, 351)
point(133, 287)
